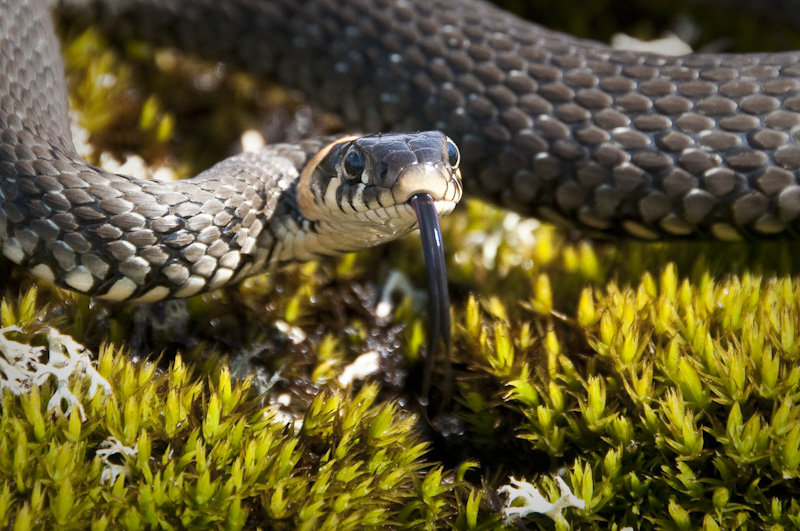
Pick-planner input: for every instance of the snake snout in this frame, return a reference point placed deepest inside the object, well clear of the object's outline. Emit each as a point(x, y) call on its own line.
point(422, 178)
point(438, 180)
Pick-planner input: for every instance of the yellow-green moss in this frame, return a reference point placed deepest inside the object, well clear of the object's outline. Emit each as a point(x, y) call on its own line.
point(200, 453)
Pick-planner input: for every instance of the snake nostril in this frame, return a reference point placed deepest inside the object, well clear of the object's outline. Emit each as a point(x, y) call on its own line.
point(381, 170)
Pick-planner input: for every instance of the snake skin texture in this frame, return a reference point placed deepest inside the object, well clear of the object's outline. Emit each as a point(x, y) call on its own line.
point(120, 238)
point(568, 130)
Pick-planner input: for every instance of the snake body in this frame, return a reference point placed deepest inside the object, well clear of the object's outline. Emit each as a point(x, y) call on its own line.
point(121, 238)
point(564, 129)
point(568, 130)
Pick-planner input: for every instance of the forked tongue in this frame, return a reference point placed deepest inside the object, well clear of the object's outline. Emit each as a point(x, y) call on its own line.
point(438, 296)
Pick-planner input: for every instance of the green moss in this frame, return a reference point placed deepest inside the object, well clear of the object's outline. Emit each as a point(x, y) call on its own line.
point(170, 448)
point(683, 409)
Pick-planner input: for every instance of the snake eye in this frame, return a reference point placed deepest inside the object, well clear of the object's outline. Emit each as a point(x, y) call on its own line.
point(453, 155)
point(354, 164)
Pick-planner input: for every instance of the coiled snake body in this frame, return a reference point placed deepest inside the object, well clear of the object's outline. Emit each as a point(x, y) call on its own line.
point(121, 238)
point(564, 129)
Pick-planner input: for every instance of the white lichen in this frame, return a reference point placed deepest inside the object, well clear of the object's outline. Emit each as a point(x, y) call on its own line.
point(669, 44)
point(362, 368)
point(398, 287)
point(23, 366)
point(110, 448)
point(293, 333)
point(534, 502)
point(19, 362)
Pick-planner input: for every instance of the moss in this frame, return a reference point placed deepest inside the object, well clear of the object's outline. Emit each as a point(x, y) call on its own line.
point(170, 448)
point(658, 380)
point(682, 412)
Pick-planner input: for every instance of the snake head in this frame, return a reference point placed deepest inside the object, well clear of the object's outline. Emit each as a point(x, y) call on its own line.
point(358, 192)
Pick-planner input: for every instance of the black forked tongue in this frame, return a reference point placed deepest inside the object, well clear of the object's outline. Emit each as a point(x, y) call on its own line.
point(438, 296)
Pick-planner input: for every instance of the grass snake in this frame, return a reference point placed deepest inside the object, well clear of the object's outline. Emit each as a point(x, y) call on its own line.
point(121, 238)
point(568, 130)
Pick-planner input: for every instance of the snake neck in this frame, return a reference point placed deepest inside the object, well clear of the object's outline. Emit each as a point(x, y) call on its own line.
point(300, 234)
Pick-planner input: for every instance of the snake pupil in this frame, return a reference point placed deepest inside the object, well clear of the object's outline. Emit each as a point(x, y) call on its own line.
point(453, 156)
point(354, 163)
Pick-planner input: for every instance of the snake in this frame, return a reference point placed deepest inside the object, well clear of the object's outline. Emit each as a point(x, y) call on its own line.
point(571, 131)
point(119, 238)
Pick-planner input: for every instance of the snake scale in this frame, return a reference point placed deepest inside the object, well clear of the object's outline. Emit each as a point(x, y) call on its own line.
point(567, 130)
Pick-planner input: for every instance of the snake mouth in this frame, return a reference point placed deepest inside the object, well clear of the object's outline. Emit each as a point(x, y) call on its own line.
point(425, 208)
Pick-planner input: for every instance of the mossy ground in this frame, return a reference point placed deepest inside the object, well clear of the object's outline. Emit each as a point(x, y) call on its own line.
point(660, 380)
